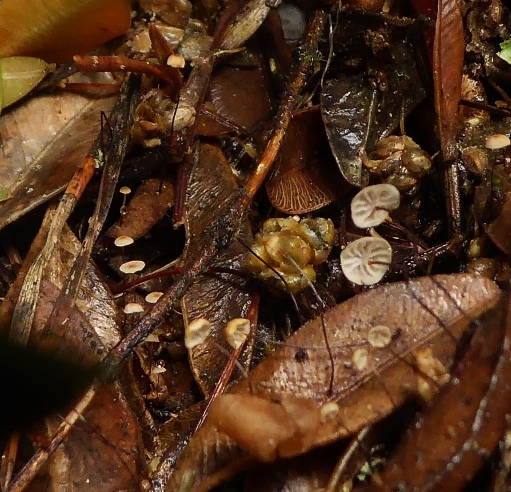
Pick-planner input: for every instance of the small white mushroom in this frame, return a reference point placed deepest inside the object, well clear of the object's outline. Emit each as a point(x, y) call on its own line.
point(153, 297)
point(370, 206)
point(328, 411)
point(133, 266)
point(366, 260)
point(122, 241)
point(133, 307)
point(497, 141)
point(196, 332)
point(125, 190)
point(379, 336)
point(360, 358)
point(236, 332)
point(176, 61)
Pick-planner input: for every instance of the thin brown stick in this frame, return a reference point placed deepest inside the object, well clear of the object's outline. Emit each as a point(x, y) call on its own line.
point(224, 229)
point(120, 64)
point(9, 460)
point(229, 367)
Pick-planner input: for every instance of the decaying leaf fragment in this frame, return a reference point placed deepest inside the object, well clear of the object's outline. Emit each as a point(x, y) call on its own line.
point(221, 297)
point(448, 53)
point(450, 440)
point(37, 161)
point(56, 30)
point(285, 393)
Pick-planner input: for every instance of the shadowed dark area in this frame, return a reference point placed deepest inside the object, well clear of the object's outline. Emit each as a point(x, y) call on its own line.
point(34, 384)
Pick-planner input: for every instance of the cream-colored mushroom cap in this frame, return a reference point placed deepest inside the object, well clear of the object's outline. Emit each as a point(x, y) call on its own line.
point(122, 241)
point(153, 297)
point(133, 266)
point(237, 331)
point(133, 307)
point(497, 141)
point(196, 332)
point(371, 205)
point(366, 260)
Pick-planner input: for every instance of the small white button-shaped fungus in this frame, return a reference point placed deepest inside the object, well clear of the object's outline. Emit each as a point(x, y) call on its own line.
point(122, 241)
point(379, 336)
point(196, 332)
point(153, 297)
point(360, 358)
point(236, 332)
point(497, 141)
point(133, 307)
point(328, 411)
point(133, 266)
point(125, 190)
point(366, 260)
point(370, 206)
point(176, 61)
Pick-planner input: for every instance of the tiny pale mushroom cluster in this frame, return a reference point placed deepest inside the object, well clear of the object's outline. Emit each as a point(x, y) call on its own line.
point(366, 260)
point(289, 248)
point(198, 330)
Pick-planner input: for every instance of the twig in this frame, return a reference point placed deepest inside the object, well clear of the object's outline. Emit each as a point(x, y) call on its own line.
point(224, 229)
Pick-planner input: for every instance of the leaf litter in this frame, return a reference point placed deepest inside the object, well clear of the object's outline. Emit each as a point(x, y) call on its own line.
point(361, 361)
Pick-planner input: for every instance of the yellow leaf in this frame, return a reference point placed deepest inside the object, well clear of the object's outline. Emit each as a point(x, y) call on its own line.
point(55, 30)
point(20, 74)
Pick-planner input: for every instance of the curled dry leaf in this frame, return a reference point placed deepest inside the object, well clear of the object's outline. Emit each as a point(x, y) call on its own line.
point(150, 203)
point(356, 116)
point(104, 452)
point(277, 413)
point(448, 51)
point(37, 161)
point(452, 438)
point(347, 134)
point(220, 297)
point(239, 96)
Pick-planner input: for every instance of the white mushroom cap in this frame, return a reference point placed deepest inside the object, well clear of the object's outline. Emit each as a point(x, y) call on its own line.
point(371, 205)
point(133, 266)
point(176, 61)
point(122, 241)
point(360, 358)
point(236, 332)
point(497, 141)
point(125, 190)
point(329, 410)
point(153, 297)
point(366, 260)
point(133, 307)
point(196, 332)
point(379, 336)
